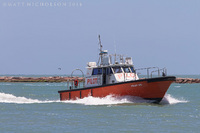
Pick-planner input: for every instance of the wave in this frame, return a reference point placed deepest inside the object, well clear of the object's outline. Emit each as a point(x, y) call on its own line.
point(111, 100)
point(9, 98)
point(5, 84)
point(177, 86)
point(168, 99)
point(45, 84)
point(108, 100)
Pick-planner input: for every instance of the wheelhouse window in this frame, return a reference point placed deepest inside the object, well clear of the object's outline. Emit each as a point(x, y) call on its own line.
point(132, 69)
point(117, 69)
point(126, 70)
point(97, 71)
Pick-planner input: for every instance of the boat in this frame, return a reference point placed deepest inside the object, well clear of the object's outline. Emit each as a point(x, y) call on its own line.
point(118, 78)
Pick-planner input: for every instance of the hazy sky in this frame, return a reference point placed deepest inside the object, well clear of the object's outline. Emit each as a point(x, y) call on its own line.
point(40, 36)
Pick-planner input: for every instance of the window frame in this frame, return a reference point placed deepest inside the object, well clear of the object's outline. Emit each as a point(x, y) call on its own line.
point(97, 71)
point(132, 69)
point(115, 68)
point(127, 68)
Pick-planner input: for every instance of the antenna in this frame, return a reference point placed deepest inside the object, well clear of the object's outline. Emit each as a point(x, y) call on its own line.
point(101, 51)
point(115, 52)
point(100, 45)
point(115, 47)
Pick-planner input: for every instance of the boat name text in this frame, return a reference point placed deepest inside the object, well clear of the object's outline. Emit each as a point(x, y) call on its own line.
point(92, 81)
point(136, 85)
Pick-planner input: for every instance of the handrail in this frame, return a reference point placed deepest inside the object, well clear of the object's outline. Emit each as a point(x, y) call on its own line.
point(158, 70)
point(72, 85)
point(148, 68)
point(163, 71)
point(76, 70)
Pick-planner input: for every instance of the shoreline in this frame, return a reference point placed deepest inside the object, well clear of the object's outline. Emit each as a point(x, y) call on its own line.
point(58, 79)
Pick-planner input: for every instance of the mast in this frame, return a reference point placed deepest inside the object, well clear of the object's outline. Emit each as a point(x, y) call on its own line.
point(101, 51)
point(100, 45)
point(103, 55)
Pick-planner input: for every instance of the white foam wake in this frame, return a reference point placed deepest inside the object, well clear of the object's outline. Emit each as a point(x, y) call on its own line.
point(108, 100)
point(168, 99)
point(111, 100)
point(9, 98)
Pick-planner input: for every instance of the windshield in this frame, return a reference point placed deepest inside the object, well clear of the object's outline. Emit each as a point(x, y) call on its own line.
point(126, 70)
point(117, 69)
point(132, 69)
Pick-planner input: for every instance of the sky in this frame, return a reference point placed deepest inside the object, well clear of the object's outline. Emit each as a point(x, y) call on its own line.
point(40, 36)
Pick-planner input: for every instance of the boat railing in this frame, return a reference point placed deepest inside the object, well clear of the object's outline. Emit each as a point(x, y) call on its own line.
point(163, 70)
point(151, 70)
point(70, 83)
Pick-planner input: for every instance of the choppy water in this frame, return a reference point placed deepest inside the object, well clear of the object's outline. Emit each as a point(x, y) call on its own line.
point(35, 107)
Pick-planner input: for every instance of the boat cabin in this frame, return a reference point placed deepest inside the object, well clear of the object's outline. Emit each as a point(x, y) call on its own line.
point(107, 72)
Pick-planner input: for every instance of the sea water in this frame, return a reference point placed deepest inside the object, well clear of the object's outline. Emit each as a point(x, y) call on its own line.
point(35, 107)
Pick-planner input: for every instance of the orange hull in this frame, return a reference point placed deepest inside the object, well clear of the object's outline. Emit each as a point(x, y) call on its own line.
point(152, 89)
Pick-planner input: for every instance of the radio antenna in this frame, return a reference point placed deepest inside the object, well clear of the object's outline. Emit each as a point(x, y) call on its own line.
point(101, 51)
point(100, 45)
point(115, 52)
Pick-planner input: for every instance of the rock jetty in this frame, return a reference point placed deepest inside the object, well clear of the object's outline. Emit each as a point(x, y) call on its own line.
point(81, 79)
point(187, 80)
point(40, 79)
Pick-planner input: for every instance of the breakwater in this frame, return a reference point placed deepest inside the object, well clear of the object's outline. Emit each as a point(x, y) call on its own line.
point(66, 79)
point(187, 80)
point(40, 79)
